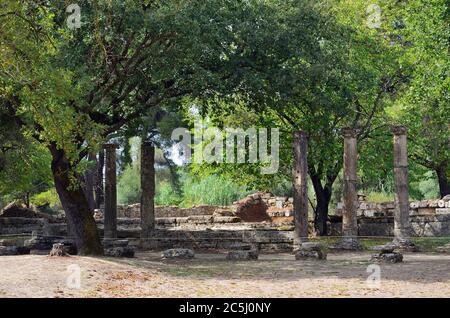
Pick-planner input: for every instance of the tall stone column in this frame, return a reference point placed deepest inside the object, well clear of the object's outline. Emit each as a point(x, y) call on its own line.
point(99, 187)
point(147, 189)
point(350, 197)
point(300, 186)
point(110, 192)
point(402, 225)
point(89, 177)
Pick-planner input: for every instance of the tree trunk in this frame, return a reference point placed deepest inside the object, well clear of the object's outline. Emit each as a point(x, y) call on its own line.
point(79, 217)
point(323, 197)
point(443, 179)
point(99, 189)
point(89, 178)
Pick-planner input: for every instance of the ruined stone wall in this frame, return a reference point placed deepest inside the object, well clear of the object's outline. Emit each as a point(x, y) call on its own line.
point(133, 211)
point(386, 209)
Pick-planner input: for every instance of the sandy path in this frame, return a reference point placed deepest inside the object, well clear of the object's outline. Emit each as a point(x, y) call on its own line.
point(274, 275)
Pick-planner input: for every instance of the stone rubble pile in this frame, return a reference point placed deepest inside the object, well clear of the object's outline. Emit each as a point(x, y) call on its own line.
point(387, 254)
point(242, 251)
point(58, 250)
point(310, 250)
point(178, 253)
point(417, 208)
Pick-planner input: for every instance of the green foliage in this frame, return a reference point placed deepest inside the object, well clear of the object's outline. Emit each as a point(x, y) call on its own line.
point(129, 185)
point(25, 170)
point(165, 195)
point(213, 190)
point(49, 197)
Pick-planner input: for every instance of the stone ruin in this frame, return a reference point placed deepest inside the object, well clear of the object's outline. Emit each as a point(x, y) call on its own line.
point(219, 227)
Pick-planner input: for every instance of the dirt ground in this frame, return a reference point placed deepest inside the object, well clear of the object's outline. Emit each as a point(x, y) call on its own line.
point(210, 275)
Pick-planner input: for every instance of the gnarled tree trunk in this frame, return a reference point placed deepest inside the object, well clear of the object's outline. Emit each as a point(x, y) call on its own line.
point(73, 199)
point(323, 197)
point(443, 179)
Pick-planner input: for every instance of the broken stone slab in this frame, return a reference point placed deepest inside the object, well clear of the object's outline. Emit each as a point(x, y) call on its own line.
point(442, 211)
point(58, 250)
point(69, 245)
point(306, 255)
point(13, 250)
point(393, 257)
point(120, 251)
point(242, 255)
point(178, 253)
point(311, 250)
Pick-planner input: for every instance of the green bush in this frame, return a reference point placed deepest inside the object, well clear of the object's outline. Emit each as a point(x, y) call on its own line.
point(165, 195)
point(49, 198)
point(213, 190)
point(129, 185)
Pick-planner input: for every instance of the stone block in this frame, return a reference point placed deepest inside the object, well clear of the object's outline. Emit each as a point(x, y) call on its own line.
point(58, 250)
point(442, 211)
point(426, 211)
point(389, 257)
point(126, 251)
point(243, 255)
point(178, 253)
point(306, 255)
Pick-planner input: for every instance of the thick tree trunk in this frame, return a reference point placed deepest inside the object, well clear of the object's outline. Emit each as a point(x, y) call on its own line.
point(443, 179)
point(89, 178)
point(99, 188)
point(79, 216)
point(323, 197)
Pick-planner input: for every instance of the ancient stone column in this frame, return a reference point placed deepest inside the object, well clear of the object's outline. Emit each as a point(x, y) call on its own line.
point(402, 225)
point(89, 177)
point(110, 192)
point(350, 196)
point(147, 189)
point(99, 187)
point(300, 186)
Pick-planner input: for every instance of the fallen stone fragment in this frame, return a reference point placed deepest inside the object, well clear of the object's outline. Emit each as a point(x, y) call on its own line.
point(242, 255)
point(310, 250)
point(305, 255)
point(58, 250)
point(178, 253)
point(393, 257)
point(120, 251)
